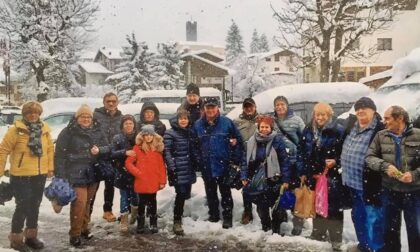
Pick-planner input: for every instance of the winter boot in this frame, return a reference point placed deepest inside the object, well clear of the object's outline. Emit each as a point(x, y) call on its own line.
point(140, 224)
point(75, 241)
point(31, 238)
point(109, 216)
point(87, 235)
point(227, 222)
point(246, 217)
point(178, 230)
point(133, 215)
point(16, 242)
point(153, 224)
point(265, 220)
point(124, 223)
point(213, 218)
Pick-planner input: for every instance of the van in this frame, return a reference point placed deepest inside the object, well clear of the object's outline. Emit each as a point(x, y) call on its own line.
point(176, 96)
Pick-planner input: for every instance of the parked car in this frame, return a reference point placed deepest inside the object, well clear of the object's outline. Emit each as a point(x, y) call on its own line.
point(302, 97)
point(9, 114)
point(166, 111)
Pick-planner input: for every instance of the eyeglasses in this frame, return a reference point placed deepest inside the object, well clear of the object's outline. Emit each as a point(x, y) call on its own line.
point(85, 117)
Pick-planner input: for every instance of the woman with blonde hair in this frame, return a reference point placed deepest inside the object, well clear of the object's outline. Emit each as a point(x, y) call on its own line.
point(321, 150)
point(148, 169)
point(31, 151)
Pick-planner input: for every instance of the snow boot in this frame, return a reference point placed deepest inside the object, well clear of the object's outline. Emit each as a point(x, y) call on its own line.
point(227, 222)
point(246, 217)
point(213, 218)
point(178, 230)
point(153, 224)
point(109, 216)
point(16, 242)
point(31, 239)
point(140, 224)
point(75, 241)
point(133, 215)
point(124, 223)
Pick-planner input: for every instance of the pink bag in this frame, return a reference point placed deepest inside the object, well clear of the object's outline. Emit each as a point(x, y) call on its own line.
point(321, 195)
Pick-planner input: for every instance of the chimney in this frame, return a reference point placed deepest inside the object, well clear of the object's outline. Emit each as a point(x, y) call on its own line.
point(191, 31)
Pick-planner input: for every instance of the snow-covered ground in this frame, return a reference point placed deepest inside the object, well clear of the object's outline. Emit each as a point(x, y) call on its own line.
point(54, 227)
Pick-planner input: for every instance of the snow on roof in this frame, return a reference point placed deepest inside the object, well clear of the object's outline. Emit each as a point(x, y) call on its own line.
point(337, 92)
point(377, 76)
point(88, 55)
point(266, 54)
point(164, 108)
point(177, 92)
point(281, 73)
point(111, 53)
point(196, 43)
point(230, 71)
point(94, 67)
point(68, 104)
point(404, 67)
point(205, 51)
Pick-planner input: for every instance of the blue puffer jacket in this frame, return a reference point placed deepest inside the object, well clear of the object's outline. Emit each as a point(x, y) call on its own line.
point(331, 141)
point(178, 158)
point(212, 148)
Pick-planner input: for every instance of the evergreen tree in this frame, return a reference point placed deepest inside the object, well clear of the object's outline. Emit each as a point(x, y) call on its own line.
point(254, 47)
point(168, 65)
point(263, 44)
point(135, 71)
point(234, 44)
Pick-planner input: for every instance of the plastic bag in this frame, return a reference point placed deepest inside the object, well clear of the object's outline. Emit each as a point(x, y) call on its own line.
point(305, 202)
point(321, 198)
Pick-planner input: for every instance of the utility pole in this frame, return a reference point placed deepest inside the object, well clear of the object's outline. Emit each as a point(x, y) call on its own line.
point(6, 69)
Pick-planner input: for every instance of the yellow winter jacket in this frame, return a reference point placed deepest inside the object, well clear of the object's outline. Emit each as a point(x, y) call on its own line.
point(22, 161)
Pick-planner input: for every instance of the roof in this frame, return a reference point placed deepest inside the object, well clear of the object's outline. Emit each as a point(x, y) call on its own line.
point(196, 43)
point(201, 51)
point(111, 53)
point(377, 76)
point(268, 54)
point(94, 67)
point(88, 55)
point(230, 71)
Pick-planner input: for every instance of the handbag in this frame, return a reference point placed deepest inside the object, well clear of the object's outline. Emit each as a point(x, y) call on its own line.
point(6, 192)
point(257, 187)
point(305, 202)
point(321, 194)
point(103, 170)
point(233, 177)
point(287, 199)
point(60, 193)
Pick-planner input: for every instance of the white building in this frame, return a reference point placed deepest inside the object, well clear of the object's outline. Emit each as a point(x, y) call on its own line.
point(93, 73)
point(276, 62)
point(109, 57)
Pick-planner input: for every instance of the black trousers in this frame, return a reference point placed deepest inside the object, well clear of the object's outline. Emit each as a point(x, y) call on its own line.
point(211, 185)
point(183, 192)
point(149, 201)
point(28, 191)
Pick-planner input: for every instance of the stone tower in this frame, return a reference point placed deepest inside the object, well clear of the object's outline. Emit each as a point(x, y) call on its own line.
point(191, 31)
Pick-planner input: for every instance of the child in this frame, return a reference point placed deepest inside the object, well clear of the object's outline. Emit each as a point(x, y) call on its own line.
point(179, 164)
point(149, 174)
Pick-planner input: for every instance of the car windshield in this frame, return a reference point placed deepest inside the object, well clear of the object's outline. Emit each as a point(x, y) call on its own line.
point(10, 118)
point(161, 99)
point(407, 87)
point(58, 120)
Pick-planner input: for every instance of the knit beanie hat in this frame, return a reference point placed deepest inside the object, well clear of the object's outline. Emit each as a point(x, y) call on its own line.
point(193, 89)
point(281, 98)
point(148, 129)
point(84, 109)
point(364, 102)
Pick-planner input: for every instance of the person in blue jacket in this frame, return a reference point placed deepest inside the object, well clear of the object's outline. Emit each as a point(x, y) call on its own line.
point(266, 149)
point(179, 164)
point(217, 145)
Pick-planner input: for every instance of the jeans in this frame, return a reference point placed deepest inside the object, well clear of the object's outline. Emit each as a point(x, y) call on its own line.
point(127, 198)
point(368, 223)
point(28, 191)
point(396, 203)
point(211, 185)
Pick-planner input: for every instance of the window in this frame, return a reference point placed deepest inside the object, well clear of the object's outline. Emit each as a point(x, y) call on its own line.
point(384, 44)
point(267, 59)
point(277, 57)
point(350, 76)
point(276, 69)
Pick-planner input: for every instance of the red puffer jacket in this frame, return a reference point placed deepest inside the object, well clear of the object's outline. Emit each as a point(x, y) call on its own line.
point(148, 170)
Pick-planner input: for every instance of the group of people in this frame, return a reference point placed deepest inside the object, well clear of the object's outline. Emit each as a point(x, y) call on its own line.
point(372, 165)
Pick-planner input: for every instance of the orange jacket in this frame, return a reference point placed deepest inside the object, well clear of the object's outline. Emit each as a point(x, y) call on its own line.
point(148, 170)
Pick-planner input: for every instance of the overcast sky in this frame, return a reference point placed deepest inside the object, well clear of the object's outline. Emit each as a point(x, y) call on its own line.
point(156, 21)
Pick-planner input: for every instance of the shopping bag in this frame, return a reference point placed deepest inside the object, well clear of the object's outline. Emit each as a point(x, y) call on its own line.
point(321, 195)
point(305, 202)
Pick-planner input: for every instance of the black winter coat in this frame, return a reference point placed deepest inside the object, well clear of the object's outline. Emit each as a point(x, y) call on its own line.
point(73, 160)
point(160, 128)
point(120, 144)
point(178, 157)
point(110, 125)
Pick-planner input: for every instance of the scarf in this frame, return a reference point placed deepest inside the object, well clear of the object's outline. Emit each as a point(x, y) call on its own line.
point(273, 166)
point(35, 143)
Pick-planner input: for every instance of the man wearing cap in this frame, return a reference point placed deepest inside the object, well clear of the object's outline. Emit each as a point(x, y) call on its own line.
point(246, 123)
point(394, 153)
point(364, 184)
point(212, 148)
point(193, 104)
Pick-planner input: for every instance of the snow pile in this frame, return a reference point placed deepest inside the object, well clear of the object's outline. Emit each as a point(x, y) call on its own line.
point(405, 67)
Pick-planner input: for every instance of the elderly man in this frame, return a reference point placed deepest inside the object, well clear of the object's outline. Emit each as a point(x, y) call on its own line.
point(395, 153)
point(246, 123)
point(364, 184)
point(212, 136)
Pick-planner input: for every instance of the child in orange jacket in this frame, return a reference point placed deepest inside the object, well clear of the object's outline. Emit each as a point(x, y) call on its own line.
point(148, 169)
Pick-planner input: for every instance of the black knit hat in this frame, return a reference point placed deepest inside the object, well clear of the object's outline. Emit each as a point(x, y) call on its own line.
point(364, 102)
point(193, 89)
point(281, 98)
point(247, 101)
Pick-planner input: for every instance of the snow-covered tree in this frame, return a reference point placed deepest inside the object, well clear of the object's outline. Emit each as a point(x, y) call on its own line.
point(326, 31)
point(168, 66)
point(135, 71)
point(263, 44)
point(254, 47)
point(234, 44)
point(44, 33)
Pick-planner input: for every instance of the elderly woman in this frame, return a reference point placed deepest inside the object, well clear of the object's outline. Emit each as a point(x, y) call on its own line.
point(321, 149)
point(31, 153)
point(78, 146)
point(266, 149)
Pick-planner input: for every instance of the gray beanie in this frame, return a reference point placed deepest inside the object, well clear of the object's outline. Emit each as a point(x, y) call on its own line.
point(148, 129)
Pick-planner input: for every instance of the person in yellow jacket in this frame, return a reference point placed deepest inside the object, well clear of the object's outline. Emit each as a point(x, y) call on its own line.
point(30, 147)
